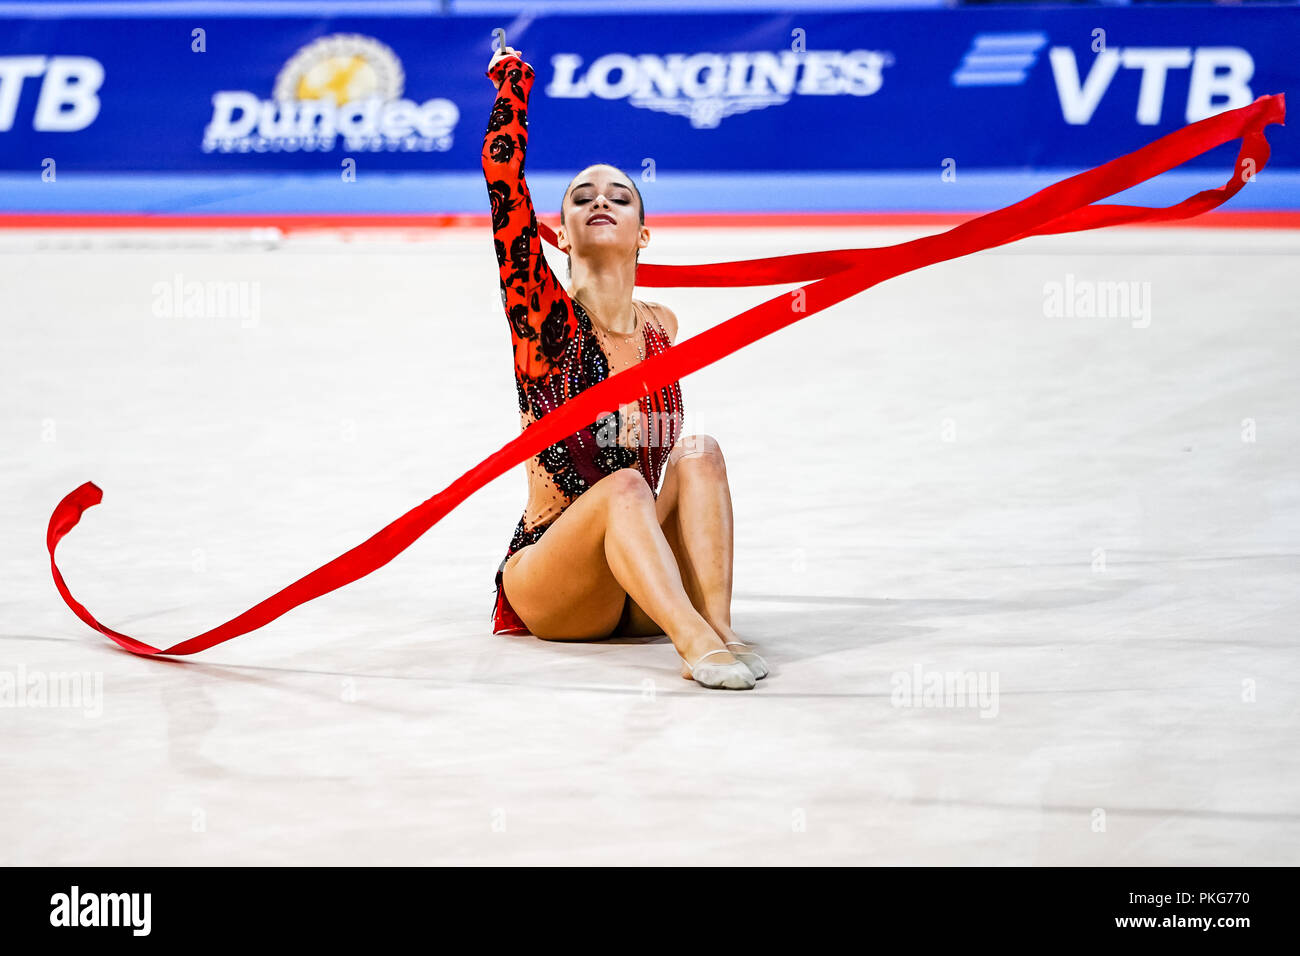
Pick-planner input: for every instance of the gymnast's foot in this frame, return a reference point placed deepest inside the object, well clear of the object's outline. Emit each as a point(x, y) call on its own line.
point(718, 668)
point(747, 656)
point(708, 663)
point(743, 651)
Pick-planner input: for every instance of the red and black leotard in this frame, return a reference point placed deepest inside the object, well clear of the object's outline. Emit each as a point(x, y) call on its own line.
point(557, 351)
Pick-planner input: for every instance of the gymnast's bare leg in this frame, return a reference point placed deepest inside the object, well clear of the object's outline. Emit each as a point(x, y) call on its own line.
point(573, 584)
point(694, 510)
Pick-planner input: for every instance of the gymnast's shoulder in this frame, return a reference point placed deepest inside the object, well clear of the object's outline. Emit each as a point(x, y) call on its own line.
point(666, 317)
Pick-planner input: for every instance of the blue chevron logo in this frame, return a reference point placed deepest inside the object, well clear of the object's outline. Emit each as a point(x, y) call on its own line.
point(999, 59)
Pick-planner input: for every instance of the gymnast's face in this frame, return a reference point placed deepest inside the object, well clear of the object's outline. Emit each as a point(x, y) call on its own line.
point(601, 216)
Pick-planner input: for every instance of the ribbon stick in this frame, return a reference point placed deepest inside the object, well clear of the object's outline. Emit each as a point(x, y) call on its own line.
point(831, 277)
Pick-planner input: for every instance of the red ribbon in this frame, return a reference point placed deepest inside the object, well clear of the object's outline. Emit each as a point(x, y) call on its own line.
point(1067, 206)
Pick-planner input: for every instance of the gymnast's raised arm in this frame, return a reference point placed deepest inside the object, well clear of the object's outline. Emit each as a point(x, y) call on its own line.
point(536, 304)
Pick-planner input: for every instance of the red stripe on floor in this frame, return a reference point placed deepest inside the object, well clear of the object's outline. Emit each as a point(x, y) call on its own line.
point(293, 222)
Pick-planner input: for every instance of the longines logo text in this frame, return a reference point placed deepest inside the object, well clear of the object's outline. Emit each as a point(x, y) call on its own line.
point(708, 87)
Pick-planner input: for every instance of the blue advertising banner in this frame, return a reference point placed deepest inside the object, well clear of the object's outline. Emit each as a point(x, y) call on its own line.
point(802, 91)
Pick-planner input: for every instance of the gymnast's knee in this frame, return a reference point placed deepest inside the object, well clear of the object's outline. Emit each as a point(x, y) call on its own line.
point(699, 455)
point(627, 486)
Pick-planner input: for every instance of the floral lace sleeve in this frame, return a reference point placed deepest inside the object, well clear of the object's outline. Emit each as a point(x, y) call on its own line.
point(537, 306)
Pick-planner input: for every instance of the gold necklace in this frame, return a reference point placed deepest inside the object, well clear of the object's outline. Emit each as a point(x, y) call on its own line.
point(635, 438)
point(636, 328)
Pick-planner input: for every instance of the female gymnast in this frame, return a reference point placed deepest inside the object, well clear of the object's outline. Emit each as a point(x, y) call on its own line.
point(598, 552)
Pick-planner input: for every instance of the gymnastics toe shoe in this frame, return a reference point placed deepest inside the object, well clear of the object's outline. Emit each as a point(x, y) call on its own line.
point(756, 664)
point(732, 676)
